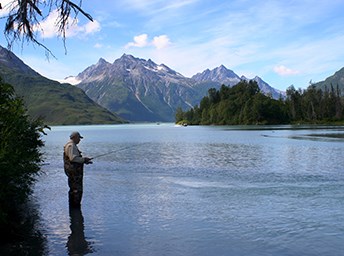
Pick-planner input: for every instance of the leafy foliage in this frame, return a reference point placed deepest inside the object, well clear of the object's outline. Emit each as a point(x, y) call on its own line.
point(19, 155)
point(315, 105)
point(244, 104)
point(240, 104)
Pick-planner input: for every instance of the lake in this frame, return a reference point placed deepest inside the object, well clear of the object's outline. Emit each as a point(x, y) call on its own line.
point(197, 190)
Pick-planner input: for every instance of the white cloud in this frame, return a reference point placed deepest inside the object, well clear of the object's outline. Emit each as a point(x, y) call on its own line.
point(92, 27)
point(48, 28)
point(6, 7)
point(140, 41)
point(161, 42)
point(284, 71)
point(71, 80)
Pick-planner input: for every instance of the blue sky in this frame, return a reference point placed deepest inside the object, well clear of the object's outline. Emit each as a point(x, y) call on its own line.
point(283, 42)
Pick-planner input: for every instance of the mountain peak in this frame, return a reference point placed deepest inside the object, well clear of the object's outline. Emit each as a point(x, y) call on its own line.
point(128, 57)
point(265, 87)
point(128, 61)
point(219, 74)
point(102, 61)
point(150, 61)
point(222, 68)
point(97, 70)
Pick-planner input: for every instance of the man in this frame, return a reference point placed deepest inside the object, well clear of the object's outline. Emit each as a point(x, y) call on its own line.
point(74, 168)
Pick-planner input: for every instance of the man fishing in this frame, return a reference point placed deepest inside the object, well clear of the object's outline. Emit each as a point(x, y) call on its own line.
point(74, 168)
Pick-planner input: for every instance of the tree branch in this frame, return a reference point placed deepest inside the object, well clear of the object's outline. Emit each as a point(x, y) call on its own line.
point(25, 15)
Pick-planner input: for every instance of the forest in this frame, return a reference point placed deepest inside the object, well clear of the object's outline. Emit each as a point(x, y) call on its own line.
point(244, 104)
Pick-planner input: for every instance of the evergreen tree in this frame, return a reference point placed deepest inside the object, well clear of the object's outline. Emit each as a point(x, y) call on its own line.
point(179, 115)
point(245, 104)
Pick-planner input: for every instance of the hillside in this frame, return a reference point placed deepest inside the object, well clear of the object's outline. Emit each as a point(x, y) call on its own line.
point(58, 104)
point(337, 79)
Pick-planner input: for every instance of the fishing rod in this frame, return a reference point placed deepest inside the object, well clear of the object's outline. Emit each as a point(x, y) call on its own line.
point(113, 151)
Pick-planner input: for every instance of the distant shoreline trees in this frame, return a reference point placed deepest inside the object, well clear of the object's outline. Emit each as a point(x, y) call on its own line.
point(244, 104)
point(314, 105)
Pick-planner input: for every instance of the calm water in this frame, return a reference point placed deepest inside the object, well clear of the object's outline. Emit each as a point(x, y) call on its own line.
point(197, 191)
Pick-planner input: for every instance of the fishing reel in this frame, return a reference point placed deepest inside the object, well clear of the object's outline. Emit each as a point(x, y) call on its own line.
point(88, 160)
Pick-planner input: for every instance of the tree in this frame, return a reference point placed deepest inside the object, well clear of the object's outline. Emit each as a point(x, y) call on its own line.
point(25, 16)
point(294, 98)
point(241, 104)
point(213, 95)
point(19, 157)
point(179, 115)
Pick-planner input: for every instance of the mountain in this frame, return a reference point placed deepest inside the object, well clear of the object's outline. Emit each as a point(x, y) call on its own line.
point(337, 79)
point(225, 76)
point(56, 103)
point(137, 89)
point(141, 90)
point(220, 74)
point(266, 88)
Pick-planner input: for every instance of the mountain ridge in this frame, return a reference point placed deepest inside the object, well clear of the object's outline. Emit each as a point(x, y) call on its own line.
point(136, 89)
point(150, 91)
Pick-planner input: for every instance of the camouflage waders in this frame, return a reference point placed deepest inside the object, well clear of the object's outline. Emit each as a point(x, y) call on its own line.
point(75, 173)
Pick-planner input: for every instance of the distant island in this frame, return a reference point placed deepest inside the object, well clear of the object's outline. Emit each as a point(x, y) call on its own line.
point(244, 104)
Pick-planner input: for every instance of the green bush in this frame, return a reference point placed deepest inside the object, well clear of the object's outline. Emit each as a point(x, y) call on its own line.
point(20, 158)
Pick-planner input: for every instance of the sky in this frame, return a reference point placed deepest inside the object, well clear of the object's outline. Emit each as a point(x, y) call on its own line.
point(290, 42)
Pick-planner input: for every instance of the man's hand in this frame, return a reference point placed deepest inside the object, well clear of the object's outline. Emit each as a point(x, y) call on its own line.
point(88, 160)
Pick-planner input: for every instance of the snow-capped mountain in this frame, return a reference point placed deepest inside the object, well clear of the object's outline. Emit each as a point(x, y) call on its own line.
point(137, 89)
point(220, 74)
point(141, 90)
point(227, 77)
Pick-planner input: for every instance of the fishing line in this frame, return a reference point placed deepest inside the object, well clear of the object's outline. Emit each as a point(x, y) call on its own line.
point(113, 151)
point(105, 154)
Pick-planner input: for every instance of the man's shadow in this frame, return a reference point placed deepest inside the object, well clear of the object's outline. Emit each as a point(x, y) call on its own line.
point(77, 244)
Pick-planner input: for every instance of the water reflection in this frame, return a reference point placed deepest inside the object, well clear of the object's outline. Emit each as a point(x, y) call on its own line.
point(27, 237)
point(77, 244)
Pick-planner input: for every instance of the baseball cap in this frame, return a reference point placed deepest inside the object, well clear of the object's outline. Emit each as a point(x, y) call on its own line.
point(73, 134)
